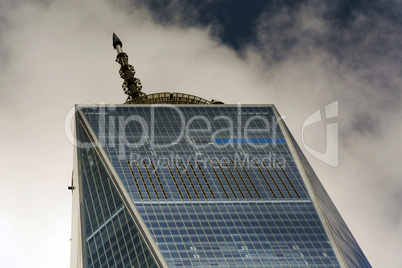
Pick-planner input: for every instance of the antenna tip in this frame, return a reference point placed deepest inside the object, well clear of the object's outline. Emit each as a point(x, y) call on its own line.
point(116, 41)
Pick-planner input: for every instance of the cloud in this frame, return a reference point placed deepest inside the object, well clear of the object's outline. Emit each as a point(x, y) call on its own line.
point(55, 54)
point(315, 62)
point(58, 54)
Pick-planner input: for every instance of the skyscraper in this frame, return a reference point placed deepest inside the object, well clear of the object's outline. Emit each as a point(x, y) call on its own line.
point(174, 180)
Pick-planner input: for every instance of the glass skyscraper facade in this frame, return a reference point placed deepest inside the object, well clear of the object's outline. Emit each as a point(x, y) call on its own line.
point(161, 185)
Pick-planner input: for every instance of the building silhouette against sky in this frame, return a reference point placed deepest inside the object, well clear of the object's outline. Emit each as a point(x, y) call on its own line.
point(174, 180)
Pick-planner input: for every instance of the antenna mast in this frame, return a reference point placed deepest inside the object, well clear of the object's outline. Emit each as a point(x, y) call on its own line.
point(131, 86)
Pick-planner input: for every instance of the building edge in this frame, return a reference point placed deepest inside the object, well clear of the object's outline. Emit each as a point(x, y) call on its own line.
point(326, 208)
point(76, 258)
point(135, 216)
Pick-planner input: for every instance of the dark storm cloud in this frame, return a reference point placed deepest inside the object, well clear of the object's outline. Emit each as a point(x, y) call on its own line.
point(236, 21)
point(233, 22)
point(364, 35)
point(359, 39)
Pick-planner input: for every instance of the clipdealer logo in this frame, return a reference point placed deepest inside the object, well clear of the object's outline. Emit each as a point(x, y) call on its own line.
point(239, 129)
point(331, 154)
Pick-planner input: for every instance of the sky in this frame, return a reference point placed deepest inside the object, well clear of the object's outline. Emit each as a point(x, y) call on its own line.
point(298, 55)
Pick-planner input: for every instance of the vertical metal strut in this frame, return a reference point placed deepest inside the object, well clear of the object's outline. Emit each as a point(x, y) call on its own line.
point(131, 86)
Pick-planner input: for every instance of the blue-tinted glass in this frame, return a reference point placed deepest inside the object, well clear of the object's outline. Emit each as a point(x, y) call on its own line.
point(351, 251)
point(110, 237)
point(217, 186)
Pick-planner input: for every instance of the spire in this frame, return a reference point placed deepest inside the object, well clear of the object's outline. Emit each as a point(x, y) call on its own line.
point(131, 85)
point(116, 41)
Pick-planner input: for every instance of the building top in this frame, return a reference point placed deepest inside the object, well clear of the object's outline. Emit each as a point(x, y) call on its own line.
point(132, 86)
point(204, 185)
point(171, 98)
